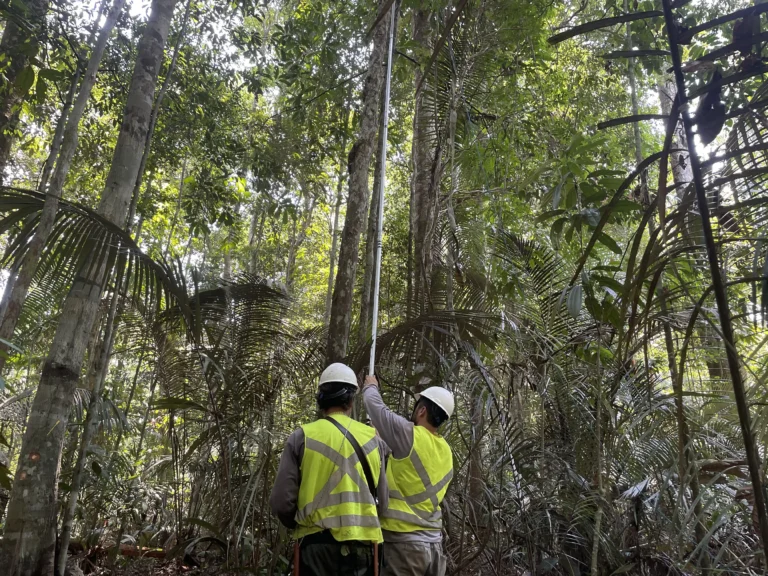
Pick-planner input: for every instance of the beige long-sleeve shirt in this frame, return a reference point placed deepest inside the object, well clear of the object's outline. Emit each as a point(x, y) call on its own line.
point(285, 493)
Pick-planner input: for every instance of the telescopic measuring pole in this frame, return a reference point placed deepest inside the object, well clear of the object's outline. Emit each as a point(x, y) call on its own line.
point(382, 185)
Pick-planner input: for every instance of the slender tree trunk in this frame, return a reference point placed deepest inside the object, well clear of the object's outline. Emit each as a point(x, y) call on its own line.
point(178, 208)
point(687, 457)
point(29, 541)
point(100, 369)
point(14, 46)
point(257, 233)
point(58, 135)
point(357, 201)
point(227, 273)
point(717, 365)
point(371, 238)
point(157, 106)
point(681, 166)
point(299, 237)
point(600, 436)
point(16, 292)
point(424, 190)
point(335, 230)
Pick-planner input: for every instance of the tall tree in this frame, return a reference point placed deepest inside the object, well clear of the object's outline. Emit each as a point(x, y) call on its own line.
point(29, 541)
point(359, 164)
point(18, 285)
point(21, 40)
point(425, 159)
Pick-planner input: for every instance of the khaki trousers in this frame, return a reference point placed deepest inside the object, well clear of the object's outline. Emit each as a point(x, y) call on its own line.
point(413, 559)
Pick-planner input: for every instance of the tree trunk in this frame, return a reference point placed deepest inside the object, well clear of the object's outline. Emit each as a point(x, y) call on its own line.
point(424, 190)
point(717, 365)
point(14, 46)
point(29, 540)
point(335, 229)
point(371, 238)
point(681, 167)
point(155, 113)
point(256, 234)
point(99, 368)
point(297, 240)
point(176, 212)
point(687, 457)
point(16, 291)
point(359, 163)
point(58, 135)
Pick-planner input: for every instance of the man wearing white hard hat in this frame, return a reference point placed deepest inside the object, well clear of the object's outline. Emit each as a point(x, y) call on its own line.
point(331, 484)
point(419, 472)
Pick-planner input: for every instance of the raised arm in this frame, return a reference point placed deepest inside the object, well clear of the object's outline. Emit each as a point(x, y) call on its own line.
point(395, 430)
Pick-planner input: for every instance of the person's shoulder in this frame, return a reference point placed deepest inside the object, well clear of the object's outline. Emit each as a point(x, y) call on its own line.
point(297, 436)
point(361, 428)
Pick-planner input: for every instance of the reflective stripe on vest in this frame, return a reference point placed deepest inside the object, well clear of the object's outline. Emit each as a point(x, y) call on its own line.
point(334, 494)
point(414, 499)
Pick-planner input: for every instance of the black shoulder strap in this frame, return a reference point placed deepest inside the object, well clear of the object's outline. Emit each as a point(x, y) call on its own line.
point(360, 456)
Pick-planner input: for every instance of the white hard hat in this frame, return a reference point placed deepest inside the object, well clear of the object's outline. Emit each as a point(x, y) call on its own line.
point(338, 372)
point(440, 396)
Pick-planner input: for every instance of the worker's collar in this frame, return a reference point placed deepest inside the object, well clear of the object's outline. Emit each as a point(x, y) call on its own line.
point(330, 413)
point(428, 429)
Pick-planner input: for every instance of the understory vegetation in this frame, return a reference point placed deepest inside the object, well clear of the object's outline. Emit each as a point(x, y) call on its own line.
point(575, 243)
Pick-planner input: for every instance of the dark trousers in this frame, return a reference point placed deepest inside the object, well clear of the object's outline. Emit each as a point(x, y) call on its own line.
point(321, 555)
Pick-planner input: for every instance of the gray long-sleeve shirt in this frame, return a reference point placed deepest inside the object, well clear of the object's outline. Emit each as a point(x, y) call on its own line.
point(285, 493)
point(397, 432)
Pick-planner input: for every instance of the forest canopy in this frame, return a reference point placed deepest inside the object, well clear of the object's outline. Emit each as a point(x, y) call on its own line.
point(574, 243)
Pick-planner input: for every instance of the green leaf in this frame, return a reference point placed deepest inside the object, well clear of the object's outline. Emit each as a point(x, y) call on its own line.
point(598, 173)
point(575, 297)
point(51, 74)
point(176, 404)
point(25, 79)
point(609, 282)
point(41, 90)
point(611, 182)
point(626, 206)
point(556, 195)
point(592, 194)
point(609, 243)
point(571, 195)
point(575, 141)
point(533, 176)
point(549, 214)
point(556, 232)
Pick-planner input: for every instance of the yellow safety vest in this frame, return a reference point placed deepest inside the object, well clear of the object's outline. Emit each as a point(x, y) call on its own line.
point(417, 484)
point(334, 494)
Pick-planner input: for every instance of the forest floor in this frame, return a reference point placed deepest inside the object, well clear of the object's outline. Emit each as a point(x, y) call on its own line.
point(152, 567)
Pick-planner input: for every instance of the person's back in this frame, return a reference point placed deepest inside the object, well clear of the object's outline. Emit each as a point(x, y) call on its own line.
point(322, 489)
point(417, 485)
point(333, 494)
point(418, 473)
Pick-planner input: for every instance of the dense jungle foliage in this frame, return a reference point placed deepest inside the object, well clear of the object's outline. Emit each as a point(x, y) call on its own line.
point(574, 243)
